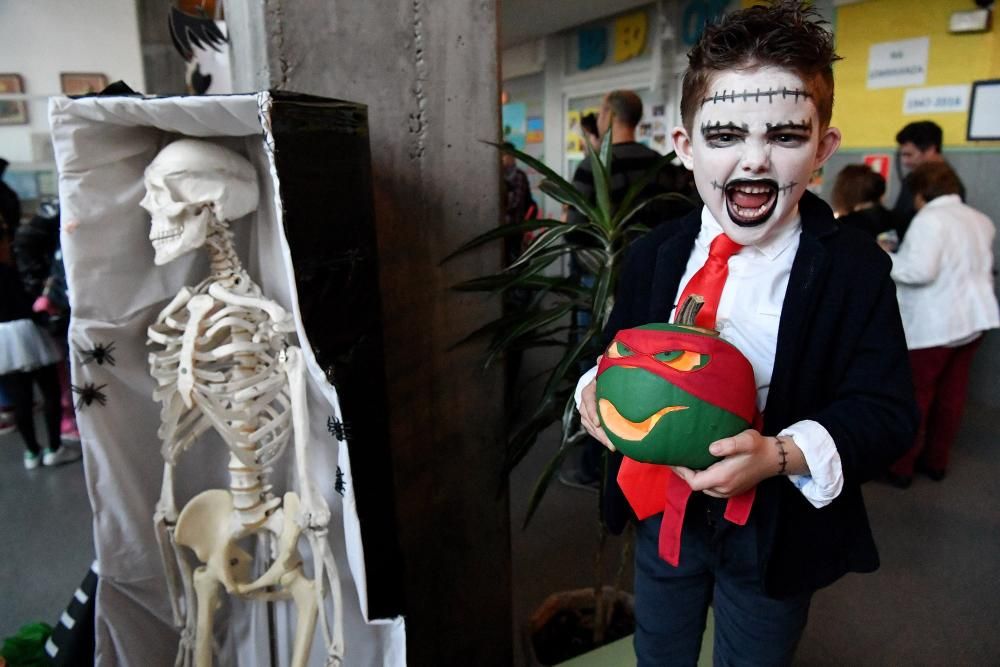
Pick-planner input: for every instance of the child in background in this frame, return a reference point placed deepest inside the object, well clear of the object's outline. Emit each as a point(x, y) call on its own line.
point(29, 357)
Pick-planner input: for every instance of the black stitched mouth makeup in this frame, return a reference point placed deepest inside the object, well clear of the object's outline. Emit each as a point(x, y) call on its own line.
point(750, 202)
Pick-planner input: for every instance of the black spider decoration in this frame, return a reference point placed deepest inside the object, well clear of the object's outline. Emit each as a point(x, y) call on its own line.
point(88, 394)
point(101, 354)
point(339, 485)
point(337, 428)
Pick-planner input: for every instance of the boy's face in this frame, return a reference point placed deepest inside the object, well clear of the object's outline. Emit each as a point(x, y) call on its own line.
point(753, 145)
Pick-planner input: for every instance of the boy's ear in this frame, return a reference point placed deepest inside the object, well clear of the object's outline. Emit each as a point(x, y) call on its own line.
point(682, 146)
point(828, 145)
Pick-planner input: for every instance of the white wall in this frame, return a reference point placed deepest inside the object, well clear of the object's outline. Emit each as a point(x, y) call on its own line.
point(41, 38)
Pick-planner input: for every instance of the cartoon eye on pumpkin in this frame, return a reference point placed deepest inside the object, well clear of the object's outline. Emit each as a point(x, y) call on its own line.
point(618, 350)
point(683, 360)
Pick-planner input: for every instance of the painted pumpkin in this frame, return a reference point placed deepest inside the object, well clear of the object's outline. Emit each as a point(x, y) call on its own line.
point(665, 392)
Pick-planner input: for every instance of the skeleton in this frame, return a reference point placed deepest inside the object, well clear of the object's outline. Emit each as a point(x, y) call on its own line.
point(224, 361)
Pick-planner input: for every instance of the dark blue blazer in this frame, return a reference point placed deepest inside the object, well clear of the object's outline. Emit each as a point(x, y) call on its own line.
point(841, 360)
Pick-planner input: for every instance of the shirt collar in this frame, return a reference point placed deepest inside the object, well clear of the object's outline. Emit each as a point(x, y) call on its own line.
point(771, 248)
point(943, 200)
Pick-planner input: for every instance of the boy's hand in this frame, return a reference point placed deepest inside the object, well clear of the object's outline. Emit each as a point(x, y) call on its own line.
point(748, 459)
point(588, 414)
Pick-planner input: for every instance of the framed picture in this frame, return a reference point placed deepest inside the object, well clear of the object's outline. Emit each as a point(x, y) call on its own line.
point(12, 112)
point(82, 83)
point(984, 111)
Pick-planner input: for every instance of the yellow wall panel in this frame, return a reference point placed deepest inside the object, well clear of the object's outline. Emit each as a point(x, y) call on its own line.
point(872, 117)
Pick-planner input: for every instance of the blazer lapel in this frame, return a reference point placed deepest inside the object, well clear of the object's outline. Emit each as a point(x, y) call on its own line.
point(671, 260)
point(808, 272)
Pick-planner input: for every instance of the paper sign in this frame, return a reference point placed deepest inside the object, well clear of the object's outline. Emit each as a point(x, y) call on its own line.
point(630, 36)
point(879, 163)
point(514, 124)
point(592, 47)
point(898, 64)
point(938, 99)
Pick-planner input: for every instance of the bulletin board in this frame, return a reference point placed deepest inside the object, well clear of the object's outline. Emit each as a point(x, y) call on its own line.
point(871, 116)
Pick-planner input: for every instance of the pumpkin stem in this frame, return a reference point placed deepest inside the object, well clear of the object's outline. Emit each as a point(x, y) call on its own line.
point(688, 311)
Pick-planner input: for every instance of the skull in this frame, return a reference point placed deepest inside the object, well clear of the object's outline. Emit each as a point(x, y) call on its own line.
point(189, 184)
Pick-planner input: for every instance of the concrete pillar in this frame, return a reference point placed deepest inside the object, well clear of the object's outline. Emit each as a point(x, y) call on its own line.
point(428, 73)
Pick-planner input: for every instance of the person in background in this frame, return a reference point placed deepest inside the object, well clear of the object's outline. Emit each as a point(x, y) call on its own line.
point(28, 357)
point(944, 275)
point(39, 262)
point(10, 213)
point(919, 142)
point(589, 126)
point(518, 201)
point(811, 306)
point(857, 202)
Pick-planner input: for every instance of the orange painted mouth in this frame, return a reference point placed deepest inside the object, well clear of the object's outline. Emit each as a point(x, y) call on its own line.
point(630, 430)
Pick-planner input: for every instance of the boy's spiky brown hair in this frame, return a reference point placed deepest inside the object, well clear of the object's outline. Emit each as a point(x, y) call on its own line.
point(788, 34)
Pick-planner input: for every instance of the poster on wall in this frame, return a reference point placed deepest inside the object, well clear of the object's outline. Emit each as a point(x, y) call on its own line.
point(936, 99)
point(592, 47)
point(653, 131)
point(898, 64)
point(515, 124)
point(535, 130)
point(630, 36)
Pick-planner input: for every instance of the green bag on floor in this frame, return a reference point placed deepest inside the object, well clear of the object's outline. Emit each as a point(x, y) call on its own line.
point(27, 647)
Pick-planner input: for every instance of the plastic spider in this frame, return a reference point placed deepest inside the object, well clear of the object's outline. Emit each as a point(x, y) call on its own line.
point(337, 428)
point(339, 484)
point(88, 394)
point(101, 353)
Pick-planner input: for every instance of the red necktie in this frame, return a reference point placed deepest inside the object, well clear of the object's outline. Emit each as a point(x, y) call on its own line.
point(651, 488)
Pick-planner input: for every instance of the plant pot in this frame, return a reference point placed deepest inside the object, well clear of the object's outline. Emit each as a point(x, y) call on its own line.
point(563, 626)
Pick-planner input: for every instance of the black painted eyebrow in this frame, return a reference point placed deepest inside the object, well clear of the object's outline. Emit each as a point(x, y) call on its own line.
point(719, 126)
point(803, 126)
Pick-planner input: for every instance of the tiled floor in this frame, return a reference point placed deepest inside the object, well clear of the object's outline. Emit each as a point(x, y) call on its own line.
point(933, 602)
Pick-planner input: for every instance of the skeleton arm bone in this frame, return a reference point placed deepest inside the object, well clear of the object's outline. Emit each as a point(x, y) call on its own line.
point(314, 508)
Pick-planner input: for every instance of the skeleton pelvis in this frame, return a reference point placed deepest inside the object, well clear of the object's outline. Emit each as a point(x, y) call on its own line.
point(209, 526)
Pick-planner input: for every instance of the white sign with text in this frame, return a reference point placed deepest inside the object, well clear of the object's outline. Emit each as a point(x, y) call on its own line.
point(936, 99)
point(898, 64)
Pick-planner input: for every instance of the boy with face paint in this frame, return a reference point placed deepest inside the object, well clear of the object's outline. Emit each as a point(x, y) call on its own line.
point(814, 310)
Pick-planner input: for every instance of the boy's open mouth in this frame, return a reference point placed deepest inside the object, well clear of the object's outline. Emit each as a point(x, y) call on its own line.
point(751, 202)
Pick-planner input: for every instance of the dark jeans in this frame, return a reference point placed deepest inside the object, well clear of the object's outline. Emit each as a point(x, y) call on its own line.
point(19, 390)
point(718, 566)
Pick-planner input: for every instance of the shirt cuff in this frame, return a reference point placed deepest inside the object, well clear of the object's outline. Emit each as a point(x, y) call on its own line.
point(826, 473)
point(583, 382)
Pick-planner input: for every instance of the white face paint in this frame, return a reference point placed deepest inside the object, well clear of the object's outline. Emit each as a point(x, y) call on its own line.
point(190, 183)
point(756, 142)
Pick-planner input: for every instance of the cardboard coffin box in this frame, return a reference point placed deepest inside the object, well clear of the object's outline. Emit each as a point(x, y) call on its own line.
point(311, 247)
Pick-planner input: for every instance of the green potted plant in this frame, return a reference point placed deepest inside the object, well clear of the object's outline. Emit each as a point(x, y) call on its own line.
point(544, 318)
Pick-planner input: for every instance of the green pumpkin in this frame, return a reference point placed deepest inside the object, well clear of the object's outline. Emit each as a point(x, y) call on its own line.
point(665, 392)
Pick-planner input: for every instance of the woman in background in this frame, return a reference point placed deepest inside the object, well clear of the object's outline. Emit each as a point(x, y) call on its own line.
point(944, 278)
point(857, 202)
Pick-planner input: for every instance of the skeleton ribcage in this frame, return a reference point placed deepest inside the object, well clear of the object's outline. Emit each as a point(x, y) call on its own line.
point(239, 386)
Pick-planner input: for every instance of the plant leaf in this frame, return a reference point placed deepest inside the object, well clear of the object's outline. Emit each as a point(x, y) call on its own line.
point(544, 480)
point(666, 196)
point(500, 232)
point(570, 195)
point(638, 186)
point(600, 165)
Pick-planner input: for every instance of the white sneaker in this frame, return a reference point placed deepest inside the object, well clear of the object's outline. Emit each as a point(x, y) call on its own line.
point(64, 454)
point(31, 461)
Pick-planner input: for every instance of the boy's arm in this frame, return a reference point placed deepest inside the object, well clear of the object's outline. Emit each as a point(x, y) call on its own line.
point(871, 419)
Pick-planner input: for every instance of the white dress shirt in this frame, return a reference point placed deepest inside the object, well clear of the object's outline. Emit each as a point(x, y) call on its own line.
point(748, 315)
point(944, 275)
